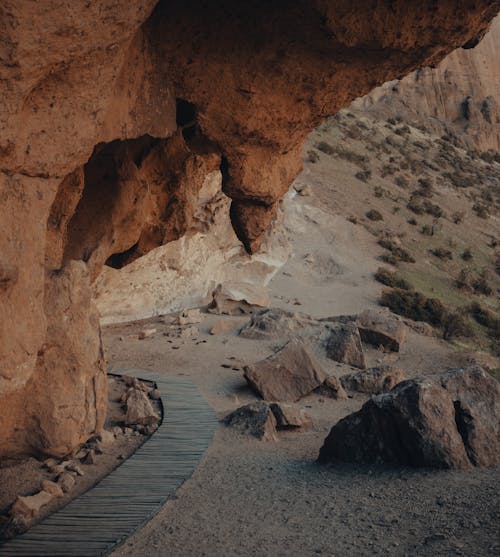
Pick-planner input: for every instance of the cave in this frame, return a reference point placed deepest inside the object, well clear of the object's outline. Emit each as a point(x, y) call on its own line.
point(111, 129)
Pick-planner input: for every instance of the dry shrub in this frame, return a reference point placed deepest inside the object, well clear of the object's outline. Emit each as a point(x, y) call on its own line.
point(389, 278)
point(467, 254)
point(414, 305)
point(312, 156)
point(456, 324)
point(363, 175)
point(374, 215)
point(399, 253)
point(442, 253)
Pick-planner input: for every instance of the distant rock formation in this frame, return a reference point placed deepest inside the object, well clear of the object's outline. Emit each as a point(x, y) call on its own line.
point(459, 97)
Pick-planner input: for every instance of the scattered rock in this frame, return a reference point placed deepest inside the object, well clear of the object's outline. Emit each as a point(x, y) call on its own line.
point(289, 416)
point(332, 387)
point(154, 394)
point(288, 375)
point(189, 317)
point(106, 437)
point(444, 421)
point(50, 463)
point(145, 333)
point(90, 457)
point(66, 481)
point(255, 419)
point(221, 326)
point(26, 508)
point(189, 332)
point(374, 381)
point(275, 324)
point(344, 345)
point(139, 409)
point(52, 488)
point(76, 469)
point(381, 328)
point(236, 298)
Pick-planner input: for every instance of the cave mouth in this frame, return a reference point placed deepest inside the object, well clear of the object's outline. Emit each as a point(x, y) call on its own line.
point(186, 118)
point(119, 260)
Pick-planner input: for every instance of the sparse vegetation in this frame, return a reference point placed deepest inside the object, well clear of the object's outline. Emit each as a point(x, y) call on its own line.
point(458, 217)
point(389, 278)
point(421, 206)
point(456, 324)
point(467, 254)
point(363, 175)
point(401, 181)
point(442, 253)
point(374, 215)
point(481, 210)
point(414, 305)
point(399, 253)
point(482, 284)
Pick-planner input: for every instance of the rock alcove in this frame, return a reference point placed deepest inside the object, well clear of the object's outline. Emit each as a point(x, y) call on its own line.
point(114, 113)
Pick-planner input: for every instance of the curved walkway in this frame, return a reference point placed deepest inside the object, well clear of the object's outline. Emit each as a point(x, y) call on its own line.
point(106, 515)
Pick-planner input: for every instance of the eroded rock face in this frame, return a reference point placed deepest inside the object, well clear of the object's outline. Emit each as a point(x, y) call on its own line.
point(444, 421)
point(111, 116)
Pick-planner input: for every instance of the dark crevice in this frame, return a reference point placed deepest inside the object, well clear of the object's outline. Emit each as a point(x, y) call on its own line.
point(119, 260)
point(186, 119)
point(465, 425)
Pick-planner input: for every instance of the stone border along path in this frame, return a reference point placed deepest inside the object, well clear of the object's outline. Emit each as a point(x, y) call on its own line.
point(96, 522)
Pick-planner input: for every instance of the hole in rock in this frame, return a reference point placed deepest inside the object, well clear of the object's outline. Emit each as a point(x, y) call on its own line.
point(112, 192)
point(186, 118)
point(119, 260)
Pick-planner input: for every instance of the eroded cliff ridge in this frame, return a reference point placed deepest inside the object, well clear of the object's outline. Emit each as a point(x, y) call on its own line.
point(112, 115)
point(458, 98)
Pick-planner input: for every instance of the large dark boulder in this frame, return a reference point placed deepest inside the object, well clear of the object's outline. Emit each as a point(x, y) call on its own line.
point(450, 420)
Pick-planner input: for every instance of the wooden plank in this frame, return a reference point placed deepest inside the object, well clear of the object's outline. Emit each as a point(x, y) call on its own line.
point(93, 524)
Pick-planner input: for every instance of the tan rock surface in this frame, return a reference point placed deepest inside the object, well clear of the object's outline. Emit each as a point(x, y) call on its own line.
point(288, 375)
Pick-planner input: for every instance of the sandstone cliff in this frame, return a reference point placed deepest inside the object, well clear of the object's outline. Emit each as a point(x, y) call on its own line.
point(113, 113)
point(460, 97)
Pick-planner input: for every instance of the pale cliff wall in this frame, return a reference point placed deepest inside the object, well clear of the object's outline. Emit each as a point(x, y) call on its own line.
point(460, 96)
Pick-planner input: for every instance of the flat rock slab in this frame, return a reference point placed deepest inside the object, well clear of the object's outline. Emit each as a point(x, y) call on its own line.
point(286, 376)
point(106, 515)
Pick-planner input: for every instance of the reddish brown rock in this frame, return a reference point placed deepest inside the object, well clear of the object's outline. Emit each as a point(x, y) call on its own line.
point(381, 328)
point(344, 345)
point(289, 416)
point(373, 381)
point(332, 387)
point(288, 375)
point(254, 419)
point(444, 421)
point(111, 117)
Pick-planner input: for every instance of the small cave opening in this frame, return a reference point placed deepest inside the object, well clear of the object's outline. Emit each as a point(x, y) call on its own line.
point(186, 118)
point(112, 194)
point(119, 260)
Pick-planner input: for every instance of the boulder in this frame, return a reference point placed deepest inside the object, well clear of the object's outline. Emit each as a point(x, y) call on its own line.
point(382, 328)
point(289, 416)
point(344, 345)
point(288, 375)
point(66, 481)
point(332, 387)
point(221, 326)
point(275, 324)
point(139, 409)
point(444, 421)
point(373, 381)
point(189, 317)
point(255, 419)
point(27, 508)
point(52, 488)
point(237, 298)
point(146, 333)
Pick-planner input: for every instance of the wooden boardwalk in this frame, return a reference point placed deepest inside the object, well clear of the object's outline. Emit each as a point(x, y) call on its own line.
point(106, 515)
